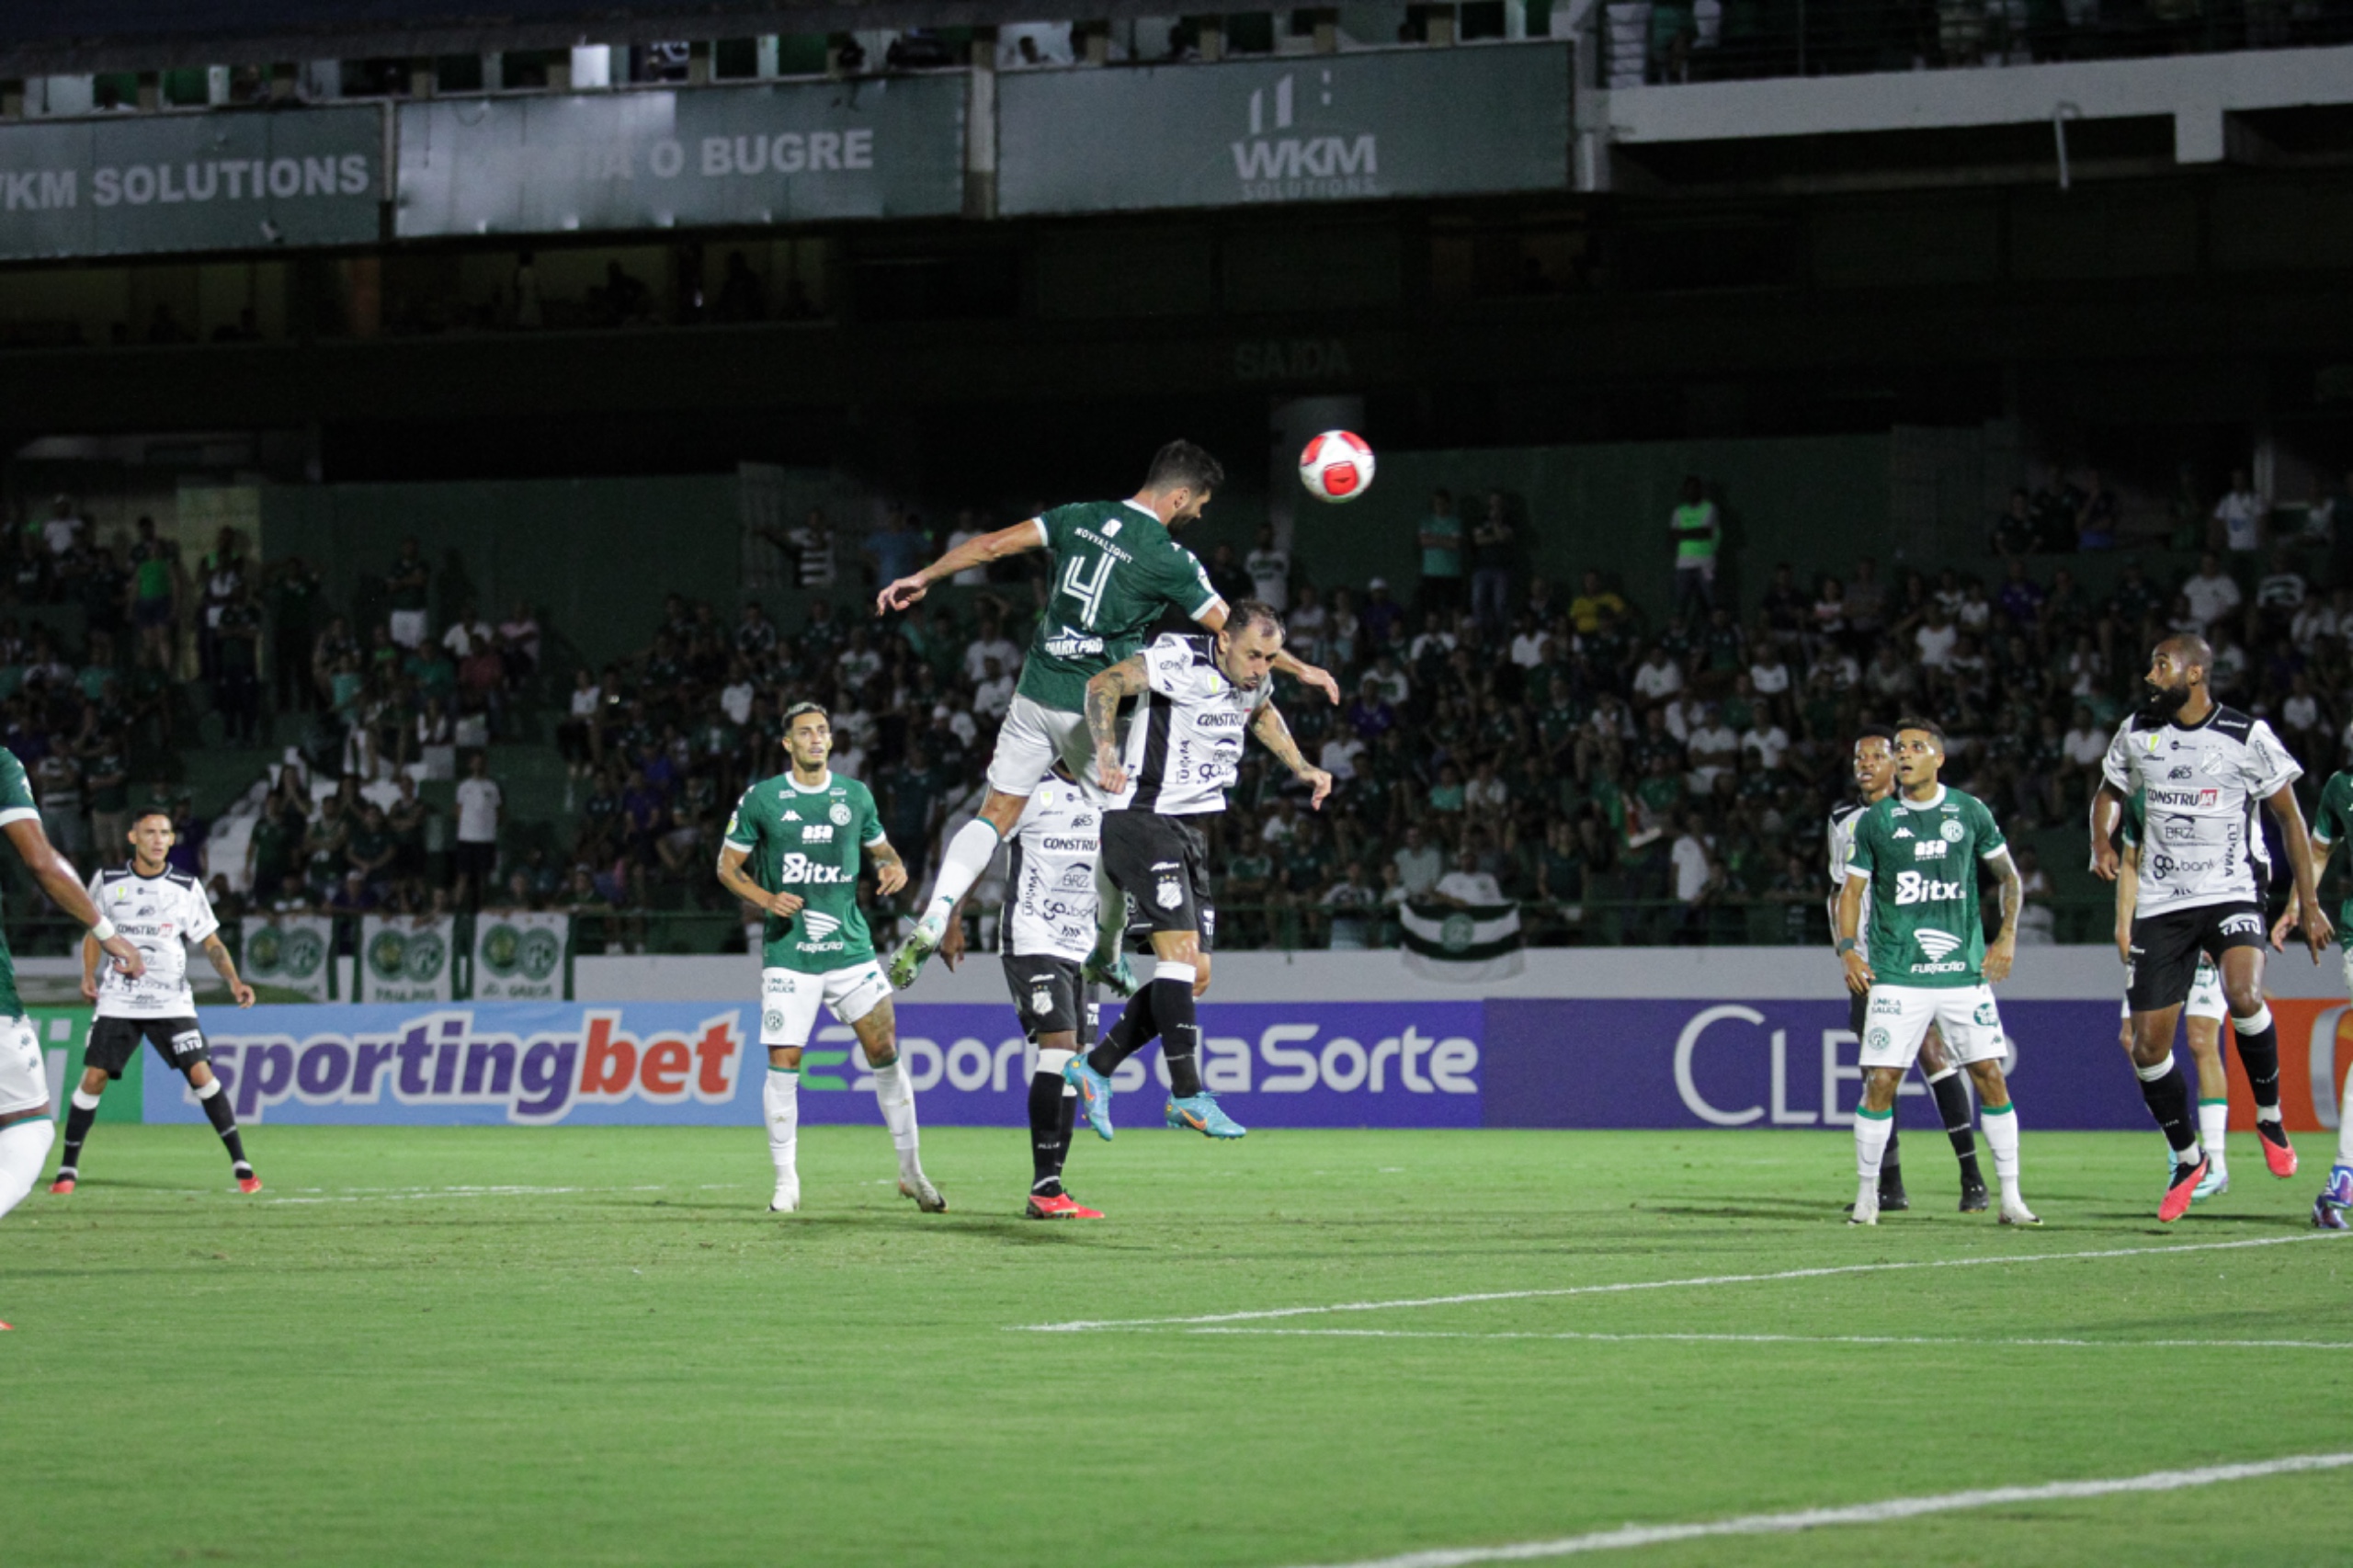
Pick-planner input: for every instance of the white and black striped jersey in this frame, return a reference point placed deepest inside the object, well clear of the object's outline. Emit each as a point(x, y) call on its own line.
point(163, 915)
point(1050, 875)
point(1185, 741)
point(2203, 783)
point(1843, 818)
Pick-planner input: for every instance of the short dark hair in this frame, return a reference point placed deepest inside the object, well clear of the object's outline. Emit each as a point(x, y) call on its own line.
point(798, 708)
point(139, 816)
point(1182, 465)
point(1875, 732)
point(1254, 612)
point(1928, 727)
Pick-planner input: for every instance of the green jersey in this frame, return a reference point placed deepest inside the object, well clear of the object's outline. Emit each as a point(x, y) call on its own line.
point(1921, 857)
point(1115, 569)
point(2333, 823)
point(16, 804)
point(806, 840)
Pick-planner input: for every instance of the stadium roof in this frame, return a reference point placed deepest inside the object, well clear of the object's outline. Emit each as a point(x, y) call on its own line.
point(69, 37)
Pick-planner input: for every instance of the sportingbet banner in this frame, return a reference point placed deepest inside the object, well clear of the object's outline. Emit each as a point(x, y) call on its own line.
point(876, 148)
point(519, 956)
point(222, 180)
point(288, 952)
point(1302, 129)
point(1339, 1064)
point(407, 958)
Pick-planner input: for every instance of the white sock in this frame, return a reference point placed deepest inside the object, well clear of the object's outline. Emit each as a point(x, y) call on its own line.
point(2213, 1122)
point(2002, 1135)
point(1871, 1133)
point(23, 1147)
point(2345, 1123)
point(960, 865)
point(781, 1101)
point(897, 1098)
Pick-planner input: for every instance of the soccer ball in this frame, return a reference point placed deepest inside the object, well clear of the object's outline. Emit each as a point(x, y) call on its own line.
point(1337, 466)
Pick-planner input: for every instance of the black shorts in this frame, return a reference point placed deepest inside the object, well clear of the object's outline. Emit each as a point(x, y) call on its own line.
point(1162, 865)
point(1047, 993)
point(2165, 949)
point(114, 1042)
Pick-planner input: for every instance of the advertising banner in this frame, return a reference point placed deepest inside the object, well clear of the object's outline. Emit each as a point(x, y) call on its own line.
point(519, 956)
point(288, 952)
point(1338, 1064)
point(878, 148)
point(1314, 128)
point(405, 958)
point(222, 180)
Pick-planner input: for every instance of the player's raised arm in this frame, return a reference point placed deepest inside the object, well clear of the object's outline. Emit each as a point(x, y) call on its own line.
point(55, 875)
point(1276, 736)
point(2306, 867)
point(1104, 691)
point(1018, 540)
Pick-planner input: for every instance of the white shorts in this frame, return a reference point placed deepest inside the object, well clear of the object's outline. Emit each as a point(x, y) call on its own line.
point(1898, 1017)
point(24, 1077)
point(2206, 999)
point(1030, 740)
point(789, 1000)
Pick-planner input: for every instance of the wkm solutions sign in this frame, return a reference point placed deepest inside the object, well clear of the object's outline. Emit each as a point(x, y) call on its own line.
point(1321, 128)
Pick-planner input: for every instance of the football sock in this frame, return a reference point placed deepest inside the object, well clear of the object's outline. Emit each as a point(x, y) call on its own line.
point(2168, 1096)
point(1871, 1131)
point(2259, 1055)
point(2213, 1122)
point(1952, 1108)
point(1136, 1029)
point(780, 1101)
point(23, 1147)
point(78, 1117)
point(2345, 1123)
point(1069, 1122)
point(2002, 1136)
point(1180, 1032)
point(897, 1098)
point(224, 1117)
point(960, 865)
point(1890, 1160)
point(1046, 1129)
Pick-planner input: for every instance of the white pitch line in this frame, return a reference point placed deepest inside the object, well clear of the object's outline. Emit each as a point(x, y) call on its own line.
point(1857, 1514)
point(1085, 1325)
point(1793, 1338)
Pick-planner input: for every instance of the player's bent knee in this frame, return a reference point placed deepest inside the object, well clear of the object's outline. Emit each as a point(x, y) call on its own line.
point(1052, 1063)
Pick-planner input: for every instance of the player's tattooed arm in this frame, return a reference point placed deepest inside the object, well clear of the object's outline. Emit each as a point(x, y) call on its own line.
point(226, 968)
point(2311, 916)
point(1105, 692)
point(2003, 950)
point(732, 878)
point(1276, 736)
point(890, 869)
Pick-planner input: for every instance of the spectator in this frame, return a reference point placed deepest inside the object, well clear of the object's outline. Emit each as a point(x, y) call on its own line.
point(1697, 534)
point(897, 548)
point(1698, 880)
point(1349, 905)
point(1268, 568)
point(1596, 608)
point(1418, 863)
point(2238, 518)
point(481, 811)
point(408, 590)
point(236, 679)
point(1441, 544)
point(2014, 532)
point(1491, 566)
point(2212, 592)
point(57, 779)
point(1467, 886)
point(154, 577)
point(64, 531)
point(224, 574)
point(755, 634)
point(1658, 680)
point(2095, 518)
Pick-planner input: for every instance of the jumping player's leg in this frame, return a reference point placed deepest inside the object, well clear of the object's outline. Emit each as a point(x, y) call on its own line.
point(788, 1012)
point(2241, 964)
point(1953, 1111)
point(866, 1008)
point(2165, 959)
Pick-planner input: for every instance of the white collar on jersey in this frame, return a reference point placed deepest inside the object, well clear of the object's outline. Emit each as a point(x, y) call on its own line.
point(1906, 803)
point(819, 788)
point(1139, 507)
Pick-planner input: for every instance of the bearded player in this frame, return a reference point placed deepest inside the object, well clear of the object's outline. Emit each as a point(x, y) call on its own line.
point(1116, 567)
point(792, 849)
point(1915, 857)
point(2204, 768)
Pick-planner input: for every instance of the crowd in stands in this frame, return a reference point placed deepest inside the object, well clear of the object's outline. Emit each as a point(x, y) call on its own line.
point(1503, 736)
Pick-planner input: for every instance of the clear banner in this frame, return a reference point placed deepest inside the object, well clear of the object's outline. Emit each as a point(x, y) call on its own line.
point(221, 180)
point(881, 148)
point(519, 956)
point(1312, 128)
point(405, 958)
point(288, 952)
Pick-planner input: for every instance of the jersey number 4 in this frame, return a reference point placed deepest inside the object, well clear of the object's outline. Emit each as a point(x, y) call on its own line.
point(1086, 587)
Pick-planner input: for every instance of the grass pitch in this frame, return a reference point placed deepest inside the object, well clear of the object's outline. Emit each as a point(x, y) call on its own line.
point(593, 1347)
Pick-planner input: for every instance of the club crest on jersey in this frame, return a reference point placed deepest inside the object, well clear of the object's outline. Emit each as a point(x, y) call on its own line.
point(1952, 831)
point(840, 815)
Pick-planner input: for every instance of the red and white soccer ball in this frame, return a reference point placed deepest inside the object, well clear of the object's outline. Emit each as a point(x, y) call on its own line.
point(1337, 466)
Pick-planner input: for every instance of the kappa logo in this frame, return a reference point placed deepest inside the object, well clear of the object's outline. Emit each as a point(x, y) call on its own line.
point(1902, 832)
point(1937, 945)
point(791, 815)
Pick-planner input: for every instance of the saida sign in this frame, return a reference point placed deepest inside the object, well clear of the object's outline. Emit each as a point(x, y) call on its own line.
point(1317, 128)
